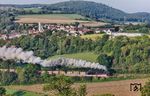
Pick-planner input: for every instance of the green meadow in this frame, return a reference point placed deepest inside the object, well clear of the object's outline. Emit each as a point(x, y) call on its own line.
point(88, 56)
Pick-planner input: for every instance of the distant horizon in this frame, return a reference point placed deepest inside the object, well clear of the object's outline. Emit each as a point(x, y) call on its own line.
point(126, 5)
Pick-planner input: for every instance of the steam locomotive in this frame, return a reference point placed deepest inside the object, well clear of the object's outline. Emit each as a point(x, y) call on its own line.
point(97, 73)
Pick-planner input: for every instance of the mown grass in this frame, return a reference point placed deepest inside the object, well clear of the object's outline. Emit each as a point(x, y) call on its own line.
point(92, 36)
point(88, 56)
point(12, 92)
point(53, 16)
point(36, 10)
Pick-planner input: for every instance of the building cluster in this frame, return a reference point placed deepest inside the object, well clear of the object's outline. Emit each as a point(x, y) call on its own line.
point(11, 36)
point(70, 29)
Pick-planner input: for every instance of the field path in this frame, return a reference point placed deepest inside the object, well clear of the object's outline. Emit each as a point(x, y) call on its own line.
point(118, 88)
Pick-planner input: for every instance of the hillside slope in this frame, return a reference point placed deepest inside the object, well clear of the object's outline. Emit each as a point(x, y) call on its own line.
point(96, 11)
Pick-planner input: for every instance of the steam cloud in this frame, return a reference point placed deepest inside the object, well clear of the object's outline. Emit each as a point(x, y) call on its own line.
point(8, 53)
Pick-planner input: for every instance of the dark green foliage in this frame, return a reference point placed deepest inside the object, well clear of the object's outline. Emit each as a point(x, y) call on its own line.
point(137, 28)
point(8, 64)
point(146, 89)
point(105, 60)
point(62, 86)
point(100, 43)
point(2, 91)
point(29, 74)
point(46, 77)
point(6, 21)
point(82, 90)
point(48, 44)
point(129, 55)
point(7, 78)
point(2, 42)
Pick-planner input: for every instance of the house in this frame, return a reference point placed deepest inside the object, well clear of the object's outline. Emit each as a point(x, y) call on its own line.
point(3, 36)
point(108, 32)
point(127, 34)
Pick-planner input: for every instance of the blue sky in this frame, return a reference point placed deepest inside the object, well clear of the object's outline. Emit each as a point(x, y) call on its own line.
point(125, 5)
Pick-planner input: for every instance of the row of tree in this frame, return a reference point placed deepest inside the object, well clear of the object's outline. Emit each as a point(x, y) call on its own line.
point(143, 28)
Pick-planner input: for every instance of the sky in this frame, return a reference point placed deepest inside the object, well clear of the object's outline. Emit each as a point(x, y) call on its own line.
point(130, 6)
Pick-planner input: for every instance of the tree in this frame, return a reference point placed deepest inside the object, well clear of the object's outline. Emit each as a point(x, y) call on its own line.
point(21, 77)
point(2, 91)
point(76, 24)
point(104, 59)
point(82, 90)
point(29, 74)
point(117, 29)
point(146, 89)
point(46, 77)
point(8, 78)
point(101, 42)
point(62, 86)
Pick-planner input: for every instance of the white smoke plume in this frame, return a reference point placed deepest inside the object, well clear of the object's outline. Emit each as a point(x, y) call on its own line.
point(8, 53)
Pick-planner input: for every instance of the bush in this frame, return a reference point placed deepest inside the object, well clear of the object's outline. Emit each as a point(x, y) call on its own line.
point(2, 91)
point(62, 86)
point(7, 78)
point(146, 89)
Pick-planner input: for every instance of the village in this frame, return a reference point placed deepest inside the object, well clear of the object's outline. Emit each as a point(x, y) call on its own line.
point(72, 30)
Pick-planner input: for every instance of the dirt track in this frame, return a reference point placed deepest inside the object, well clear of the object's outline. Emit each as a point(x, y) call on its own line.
point(118, 88)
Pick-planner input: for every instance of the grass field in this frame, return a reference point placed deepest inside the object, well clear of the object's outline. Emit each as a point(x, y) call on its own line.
point(53, 16)
point(88, 56)
point(92, 36)
point(50, 18)
point(35, 10)
point(21, 93)
point(57, 18)
point(118, 88)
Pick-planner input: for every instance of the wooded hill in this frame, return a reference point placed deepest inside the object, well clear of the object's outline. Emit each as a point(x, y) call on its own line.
point(96, 11)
